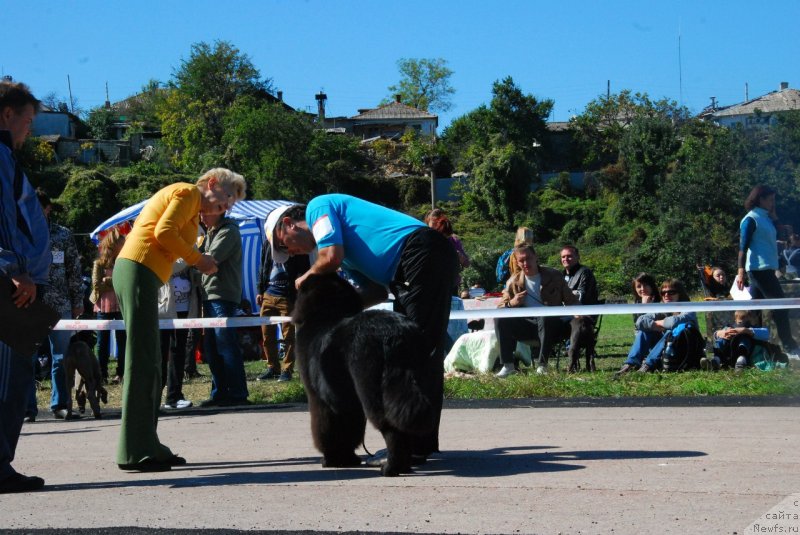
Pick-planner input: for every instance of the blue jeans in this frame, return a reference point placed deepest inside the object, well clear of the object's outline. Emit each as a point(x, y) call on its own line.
point(647, 347)
point(224, 357)
point(59, 343)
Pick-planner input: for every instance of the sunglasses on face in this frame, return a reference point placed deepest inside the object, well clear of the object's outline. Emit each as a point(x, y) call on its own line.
point(669, 292)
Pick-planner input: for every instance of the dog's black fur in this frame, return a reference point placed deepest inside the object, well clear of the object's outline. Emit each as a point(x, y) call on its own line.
point(358, 365)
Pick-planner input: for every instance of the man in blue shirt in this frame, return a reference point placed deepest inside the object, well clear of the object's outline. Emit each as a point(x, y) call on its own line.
point(25, 261)
point(381, 250)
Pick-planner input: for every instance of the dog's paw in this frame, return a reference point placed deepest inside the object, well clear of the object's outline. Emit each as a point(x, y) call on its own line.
point(341, 462)
point(389, 470)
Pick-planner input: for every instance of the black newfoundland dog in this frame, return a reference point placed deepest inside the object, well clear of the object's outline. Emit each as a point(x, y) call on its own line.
point(358, 365)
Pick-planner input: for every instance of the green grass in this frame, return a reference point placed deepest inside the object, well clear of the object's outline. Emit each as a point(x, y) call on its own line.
point(616, 336)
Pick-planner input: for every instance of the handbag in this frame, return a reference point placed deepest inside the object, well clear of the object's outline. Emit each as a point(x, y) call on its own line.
point(24, 329)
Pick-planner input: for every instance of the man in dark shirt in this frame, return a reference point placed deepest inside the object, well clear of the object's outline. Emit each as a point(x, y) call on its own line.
point(579, 329)
point(276, 296)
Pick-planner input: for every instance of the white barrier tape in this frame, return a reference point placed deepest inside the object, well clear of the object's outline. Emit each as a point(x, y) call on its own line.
point(631, 308)
point(519, 312)
point(188, 323)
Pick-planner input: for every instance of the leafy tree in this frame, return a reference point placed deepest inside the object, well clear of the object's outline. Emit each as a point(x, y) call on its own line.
point(467, 138)
point(500, 185)
point(647, 148)
point(141, 110)
point(519, 118)
point(424, 84)
point(101, 121)
point(35, 154)
point(600, 128)
point(771, 157)
point(336, 162)
point(269, 145)
point(89, 197)
point(202, 90)
point(499, 146)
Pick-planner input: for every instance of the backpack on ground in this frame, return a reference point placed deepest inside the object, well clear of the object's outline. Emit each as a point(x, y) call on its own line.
point(684, 348)
point(767, 357)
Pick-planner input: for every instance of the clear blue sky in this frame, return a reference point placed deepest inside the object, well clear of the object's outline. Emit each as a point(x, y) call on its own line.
point(565, 51)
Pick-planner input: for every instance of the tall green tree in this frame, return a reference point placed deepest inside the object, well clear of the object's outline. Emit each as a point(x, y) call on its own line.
point(647, 149)
point(101, 121)
point(202, 90)
point(499, 146)
point(424, 84)
point(269, 145)
point(600, 128)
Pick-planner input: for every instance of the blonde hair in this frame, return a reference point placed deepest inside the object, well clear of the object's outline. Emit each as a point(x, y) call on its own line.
point(109, 247)
point(231, 182)
point(524, 235)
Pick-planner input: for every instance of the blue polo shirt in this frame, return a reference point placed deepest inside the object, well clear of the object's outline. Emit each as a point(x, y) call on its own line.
point(372, 235)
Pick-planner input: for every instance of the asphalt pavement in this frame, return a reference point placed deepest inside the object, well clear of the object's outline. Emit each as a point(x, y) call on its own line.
point(691, 465)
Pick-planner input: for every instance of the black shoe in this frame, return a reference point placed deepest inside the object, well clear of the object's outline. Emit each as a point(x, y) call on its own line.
point(30, 418)
point(267, 375)
point(176, 460)
point(214, 402)
point(236, 402)
point(150, 465)
point(19, 483)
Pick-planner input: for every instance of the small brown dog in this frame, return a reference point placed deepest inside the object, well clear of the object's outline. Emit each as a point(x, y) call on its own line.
point(80, 358)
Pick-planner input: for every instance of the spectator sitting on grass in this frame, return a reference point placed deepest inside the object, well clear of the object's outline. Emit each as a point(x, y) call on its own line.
point(735, 343)
point(652, 330)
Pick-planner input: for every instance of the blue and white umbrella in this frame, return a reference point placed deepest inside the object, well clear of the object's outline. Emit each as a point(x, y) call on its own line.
point(251, 216)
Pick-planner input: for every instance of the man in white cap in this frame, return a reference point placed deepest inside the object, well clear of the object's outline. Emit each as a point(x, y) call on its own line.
point(381, 250)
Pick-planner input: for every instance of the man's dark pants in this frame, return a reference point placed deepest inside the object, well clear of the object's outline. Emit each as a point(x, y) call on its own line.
point(509, 331)
point(422, 286)
point(16, 376)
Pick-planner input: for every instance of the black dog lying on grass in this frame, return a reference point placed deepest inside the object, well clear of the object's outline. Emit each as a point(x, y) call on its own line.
point(359, 365)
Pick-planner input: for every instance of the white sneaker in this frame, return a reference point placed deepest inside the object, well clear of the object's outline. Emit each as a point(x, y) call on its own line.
point(541, 370)
point(506, 370)
point(180, 404)
point(793, 355)
point(741, 363)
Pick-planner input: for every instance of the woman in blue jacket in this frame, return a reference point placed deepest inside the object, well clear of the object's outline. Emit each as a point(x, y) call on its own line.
point(758, 255)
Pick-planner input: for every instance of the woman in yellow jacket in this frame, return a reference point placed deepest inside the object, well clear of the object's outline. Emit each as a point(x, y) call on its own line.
point(165, 230)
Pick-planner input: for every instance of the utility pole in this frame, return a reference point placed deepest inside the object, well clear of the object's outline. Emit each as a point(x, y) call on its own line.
point(71, 102)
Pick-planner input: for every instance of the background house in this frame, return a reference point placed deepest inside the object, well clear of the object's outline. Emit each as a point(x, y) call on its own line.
point(49, 122)
point(389, 120)
point(758, 112)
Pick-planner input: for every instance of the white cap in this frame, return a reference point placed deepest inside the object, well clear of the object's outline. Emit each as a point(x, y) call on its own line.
point(278, 256)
